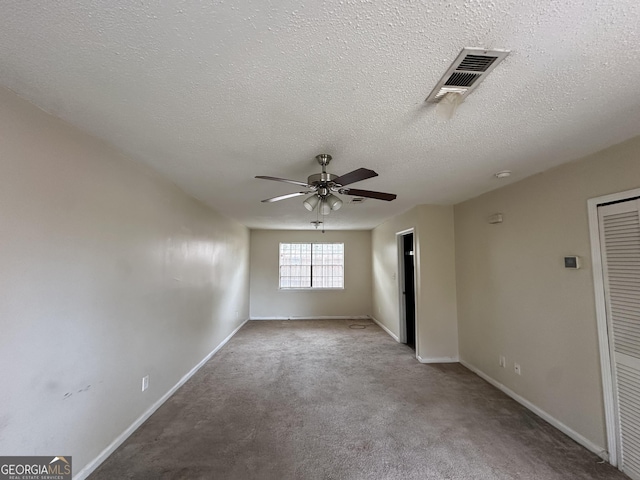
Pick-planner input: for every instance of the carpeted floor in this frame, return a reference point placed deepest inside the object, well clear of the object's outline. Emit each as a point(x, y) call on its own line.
point(319, 400)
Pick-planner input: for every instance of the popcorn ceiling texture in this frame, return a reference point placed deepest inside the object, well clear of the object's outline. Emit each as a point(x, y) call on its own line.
point(212, 94)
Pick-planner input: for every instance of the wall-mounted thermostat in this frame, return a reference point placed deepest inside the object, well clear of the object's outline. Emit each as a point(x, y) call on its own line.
point(572, 262)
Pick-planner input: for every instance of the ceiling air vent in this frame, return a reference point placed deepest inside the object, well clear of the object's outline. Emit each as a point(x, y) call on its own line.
point(466, 72)
point(357, 200)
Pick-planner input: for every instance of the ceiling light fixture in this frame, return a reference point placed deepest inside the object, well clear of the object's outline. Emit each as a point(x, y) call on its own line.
point(322, 186)
point(328, 201)
point(503, 174)
point(311, 202)
point(325, 209)
point(334, 202)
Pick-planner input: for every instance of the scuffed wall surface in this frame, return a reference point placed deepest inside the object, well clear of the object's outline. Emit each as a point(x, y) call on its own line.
point(108, 273)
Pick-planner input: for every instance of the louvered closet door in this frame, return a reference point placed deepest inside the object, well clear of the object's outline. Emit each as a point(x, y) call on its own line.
point(620, 241)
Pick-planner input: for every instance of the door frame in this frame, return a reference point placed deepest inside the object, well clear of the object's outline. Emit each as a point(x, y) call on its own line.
point(610, 409)
point(400, 281)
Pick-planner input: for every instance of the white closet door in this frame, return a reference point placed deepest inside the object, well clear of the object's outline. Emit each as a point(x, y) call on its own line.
point(620, 240)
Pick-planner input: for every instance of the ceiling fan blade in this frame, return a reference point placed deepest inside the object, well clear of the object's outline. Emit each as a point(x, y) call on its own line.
point(355, 176)
point(295, 182)
point(369, 194)
point(284, 197)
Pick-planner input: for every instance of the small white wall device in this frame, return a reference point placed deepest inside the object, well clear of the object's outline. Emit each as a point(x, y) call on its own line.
point(495, 218)
point(572, 262)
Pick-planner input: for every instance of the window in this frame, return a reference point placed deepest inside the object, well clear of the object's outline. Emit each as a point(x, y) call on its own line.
point(311, 265)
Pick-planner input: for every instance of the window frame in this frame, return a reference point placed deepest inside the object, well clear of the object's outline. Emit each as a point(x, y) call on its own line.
point(311, 288)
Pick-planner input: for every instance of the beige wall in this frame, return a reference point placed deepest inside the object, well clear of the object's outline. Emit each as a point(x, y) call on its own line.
point(109, 273)
point(516, 299)
point(435, 286)
point(267, 301)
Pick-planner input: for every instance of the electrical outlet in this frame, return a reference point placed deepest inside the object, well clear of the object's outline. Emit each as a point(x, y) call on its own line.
point(503, 361)
point(516, 368)
point(145, 382)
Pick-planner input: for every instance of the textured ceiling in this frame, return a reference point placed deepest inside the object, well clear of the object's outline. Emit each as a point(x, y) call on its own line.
point(213, 93)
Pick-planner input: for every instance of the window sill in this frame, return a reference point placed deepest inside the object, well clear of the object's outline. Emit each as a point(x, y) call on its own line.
point(329, 289)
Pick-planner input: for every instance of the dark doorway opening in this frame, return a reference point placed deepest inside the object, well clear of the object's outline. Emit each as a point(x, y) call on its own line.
point(408, 289)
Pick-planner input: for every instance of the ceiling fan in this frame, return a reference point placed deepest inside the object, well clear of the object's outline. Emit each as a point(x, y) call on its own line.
point(323, 185)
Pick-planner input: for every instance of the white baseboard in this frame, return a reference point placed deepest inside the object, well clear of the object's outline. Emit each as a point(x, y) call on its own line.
point(95, 463)
point(418, 357)
point(437, 359)
point(391, 334)
point(338, 317)
point(585, 442)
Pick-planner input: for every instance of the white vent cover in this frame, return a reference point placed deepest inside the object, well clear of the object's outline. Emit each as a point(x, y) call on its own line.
point(466, 72)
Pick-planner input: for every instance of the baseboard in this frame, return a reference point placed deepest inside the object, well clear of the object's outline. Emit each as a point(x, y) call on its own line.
point(337, 317)
point(391, 334)
point(585, 442)
point(437, 359)
point(95, 463)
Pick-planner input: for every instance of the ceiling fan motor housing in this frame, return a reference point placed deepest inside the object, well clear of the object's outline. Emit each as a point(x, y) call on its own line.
point(317, 179)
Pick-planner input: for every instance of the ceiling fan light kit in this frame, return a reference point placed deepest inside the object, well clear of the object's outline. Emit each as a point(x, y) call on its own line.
point(325, 209)
point(334, 202)
point(323, 185)
point(311, 202)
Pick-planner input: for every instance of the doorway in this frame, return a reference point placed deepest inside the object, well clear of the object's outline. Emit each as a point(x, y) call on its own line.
point(407, 288)
point(614, 221)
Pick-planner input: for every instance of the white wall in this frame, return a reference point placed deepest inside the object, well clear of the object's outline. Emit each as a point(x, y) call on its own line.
point(107, 273)
point(267, 301)
point(436, 284)
point(515, 298)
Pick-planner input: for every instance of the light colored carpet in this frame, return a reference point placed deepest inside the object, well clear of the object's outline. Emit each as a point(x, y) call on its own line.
point(319, 400)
